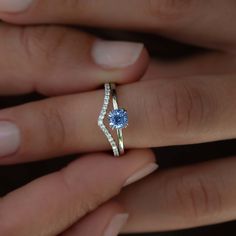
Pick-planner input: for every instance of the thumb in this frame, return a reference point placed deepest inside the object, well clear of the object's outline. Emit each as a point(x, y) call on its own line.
point(51, 204)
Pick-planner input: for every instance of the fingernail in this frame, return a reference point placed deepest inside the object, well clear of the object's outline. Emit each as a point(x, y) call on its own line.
point(14, 6)
point(140, 174)
point(116, 54)
point(9, 138)
point(116, 225)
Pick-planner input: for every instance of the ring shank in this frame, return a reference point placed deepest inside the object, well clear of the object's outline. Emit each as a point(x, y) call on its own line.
point(115, 107)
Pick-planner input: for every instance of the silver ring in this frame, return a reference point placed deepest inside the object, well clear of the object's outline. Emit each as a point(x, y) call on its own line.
point(117, 119)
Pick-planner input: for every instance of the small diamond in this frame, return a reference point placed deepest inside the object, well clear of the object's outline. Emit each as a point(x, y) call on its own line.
point(100, 123)
point(118, 119)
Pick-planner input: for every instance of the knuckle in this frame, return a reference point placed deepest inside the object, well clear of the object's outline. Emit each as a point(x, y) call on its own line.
point(198, 195)
point(172, 10)
point(181, 108)
point(55, 126)
point(43, 43)
point(177, 108)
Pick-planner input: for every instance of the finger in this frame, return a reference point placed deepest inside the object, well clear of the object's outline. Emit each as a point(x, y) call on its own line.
point(189, 21)
point(51, 204)
point(168, 112)
point(55, 60)
point(108, 220)
point(181, 198)
point(212, 63)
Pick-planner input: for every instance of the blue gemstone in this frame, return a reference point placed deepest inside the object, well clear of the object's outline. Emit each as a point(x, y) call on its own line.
point(118, 119)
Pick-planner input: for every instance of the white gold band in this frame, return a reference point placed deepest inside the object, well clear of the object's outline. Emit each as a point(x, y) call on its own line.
point(110, 94)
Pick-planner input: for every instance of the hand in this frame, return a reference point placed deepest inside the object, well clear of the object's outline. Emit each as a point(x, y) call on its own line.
point(45, 57)
point(199, 106)
point(188, 21)
point(53, 203)
point(37, 59)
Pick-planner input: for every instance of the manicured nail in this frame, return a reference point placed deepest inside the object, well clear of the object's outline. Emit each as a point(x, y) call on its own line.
point(9, 138)
point(116, 225)
point(140, 174)
point(113, 54)
point(14, 6)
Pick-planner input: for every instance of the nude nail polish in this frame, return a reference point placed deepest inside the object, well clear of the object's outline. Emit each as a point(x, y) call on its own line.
point(140, 174)
point(9, 138)
point(14, 6)
point(116, 225)
point(116, 54)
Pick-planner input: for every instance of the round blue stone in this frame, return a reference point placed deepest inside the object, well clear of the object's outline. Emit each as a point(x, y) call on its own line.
point(118, 119)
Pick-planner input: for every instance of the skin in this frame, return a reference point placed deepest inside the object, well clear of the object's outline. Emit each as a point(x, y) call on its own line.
point(186, 102)
point(53, 203)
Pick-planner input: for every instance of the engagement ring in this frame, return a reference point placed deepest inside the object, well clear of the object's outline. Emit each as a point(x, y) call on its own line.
point(117, 119)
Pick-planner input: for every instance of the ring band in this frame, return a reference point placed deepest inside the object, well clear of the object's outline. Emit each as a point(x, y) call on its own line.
point(119, 131)
point(117, 118)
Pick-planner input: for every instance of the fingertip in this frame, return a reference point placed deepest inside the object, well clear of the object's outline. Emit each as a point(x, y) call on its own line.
point(115, 54)
point(77, 64)
point(148, 166)
point(14, 6)
point(113, 207)
point(141, 153)
point(122, 63)
point(102, 220)
point(138, 69)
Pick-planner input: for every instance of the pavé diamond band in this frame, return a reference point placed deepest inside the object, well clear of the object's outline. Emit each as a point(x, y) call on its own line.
point(117, 119)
